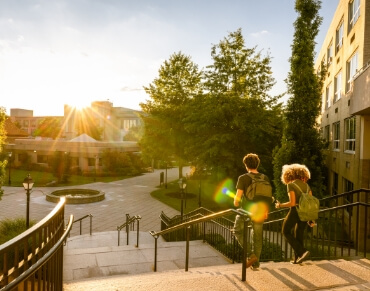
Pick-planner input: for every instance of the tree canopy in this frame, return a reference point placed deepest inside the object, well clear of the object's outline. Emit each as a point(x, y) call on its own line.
point(212, 118)
point(165, 136)
point(49, 127)
point(301, 142)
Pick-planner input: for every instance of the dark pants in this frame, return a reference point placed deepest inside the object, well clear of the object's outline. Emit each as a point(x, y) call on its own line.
point(292, 222)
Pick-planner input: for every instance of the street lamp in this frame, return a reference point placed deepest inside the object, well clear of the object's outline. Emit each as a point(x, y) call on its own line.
point(10, 160)
point(28, 184)
point(182, 185)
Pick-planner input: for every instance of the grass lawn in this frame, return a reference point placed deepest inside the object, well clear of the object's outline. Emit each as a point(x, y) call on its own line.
point(42, 178)
point(212, 196)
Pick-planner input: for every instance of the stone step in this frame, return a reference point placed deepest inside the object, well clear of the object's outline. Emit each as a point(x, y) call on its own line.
point(99, 255)
point(337, 275)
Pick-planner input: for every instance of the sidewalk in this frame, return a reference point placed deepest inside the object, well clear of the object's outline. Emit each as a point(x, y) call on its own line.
point(129, 196)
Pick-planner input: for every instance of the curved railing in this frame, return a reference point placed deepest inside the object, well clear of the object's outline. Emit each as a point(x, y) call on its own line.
point(34, 259)
point(211, 217)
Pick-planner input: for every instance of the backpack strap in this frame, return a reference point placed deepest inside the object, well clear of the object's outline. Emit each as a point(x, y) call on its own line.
point(299, 188)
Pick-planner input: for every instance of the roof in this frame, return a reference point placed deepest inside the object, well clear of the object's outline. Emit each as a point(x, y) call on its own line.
point(12, 130)
point(83, 138)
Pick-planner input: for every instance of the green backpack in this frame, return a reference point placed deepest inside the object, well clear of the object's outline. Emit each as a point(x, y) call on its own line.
point(308, 206)
point(258, 187)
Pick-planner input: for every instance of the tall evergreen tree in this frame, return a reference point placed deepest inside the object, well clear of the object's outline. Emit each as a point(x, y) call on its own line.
point(301, 142)
point(236, 115)
point(164, 135)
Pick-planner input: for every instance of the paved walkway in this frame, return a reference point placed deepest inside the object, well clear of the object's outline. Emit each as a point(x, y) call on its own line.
point(129, 196)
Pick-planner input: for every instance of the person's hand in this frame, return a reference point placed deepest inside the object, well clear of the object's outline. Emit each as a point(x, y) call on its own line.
point(277, 204)
point(311, 223)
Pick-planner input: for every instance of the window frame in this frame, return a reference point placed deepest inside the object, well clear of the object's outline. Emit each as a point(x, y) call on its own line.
point(350, 134)
point(337, 87)
point(353, 13)
point(329, 54)
point(336, 136)
point(339, 34)
point(328, 96)
point(352, 68)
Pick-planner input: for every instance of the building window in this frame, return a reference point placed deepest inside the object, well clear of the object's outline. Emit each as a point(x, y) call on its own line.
point(327, 97)
point(91, 162)
point(336, 135)
point(350, 124)
point(327, 133)
point(351, 70)
point(335, 184)
point(42, 159)
point(339, 37)
point(337, 86)
point(353, 13)
point(329, 54)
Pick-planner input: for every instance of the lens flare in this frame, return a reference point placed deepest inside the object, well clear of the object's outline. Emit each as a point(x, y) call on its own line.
point(258, 211)
point(223, 192)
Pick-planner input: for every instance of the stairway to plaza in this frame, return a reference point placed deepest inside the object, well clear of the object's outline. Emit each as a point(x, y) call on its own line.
point(96, 262)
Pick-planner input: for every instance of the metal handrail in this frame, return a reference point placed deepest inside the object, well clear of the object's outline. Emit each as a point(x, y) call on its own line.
point(130, 221)
point(80, 220)
point(188, 224)
point(41, 262)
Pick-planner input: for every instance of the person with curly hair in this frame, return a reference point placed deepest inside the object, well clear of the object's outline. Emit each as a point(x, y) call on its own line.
point(295, 176)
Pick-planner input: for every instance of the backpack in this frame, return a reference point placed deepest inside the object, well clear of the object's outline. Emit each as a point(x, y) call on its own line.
point(308, 206)
point(258, 187)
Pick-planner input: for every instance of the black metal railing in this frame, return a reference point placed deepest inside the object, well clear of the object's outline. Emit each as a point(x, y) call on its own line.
point(34, 259)
point(196, 227)
point(80, 221)
point(130, 225)
point(341, 230)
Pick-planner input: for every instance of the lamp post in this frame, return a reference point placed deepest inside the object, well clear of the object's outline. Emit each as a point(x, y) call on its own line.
point(28, 184)
point(10, 160)
point(182, 185)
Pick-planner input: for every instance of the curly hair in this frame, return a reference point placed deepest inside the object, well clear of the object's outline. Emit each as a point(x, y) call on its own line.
point(251, 161)
point(295, 172)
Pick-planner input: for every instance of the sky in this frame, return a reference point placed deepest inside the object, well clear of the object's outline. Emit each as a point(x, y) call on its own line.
point(79, 51)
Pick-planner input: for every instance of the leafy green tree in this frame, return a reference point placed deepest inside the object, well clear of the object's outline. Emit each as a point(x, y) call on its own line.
point(236, 115)
point(49, 127)
point(134, 134)
point(3, 161)
point(165, 136)
point(61, 164)
point(301, 142)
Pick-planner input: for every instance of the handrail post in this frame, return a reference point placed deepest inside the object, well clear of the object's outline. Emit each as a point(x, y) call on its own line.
point(137, 232)
point(187, 249)
point(91, 224)
point(80, 226)
point(127, 227)
point(245, 244)
point(155, 253)
point(119, 235)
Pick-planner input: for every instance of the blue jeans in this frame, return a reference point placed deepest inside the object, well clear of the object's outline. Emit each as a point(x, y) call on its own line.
point(256, 237)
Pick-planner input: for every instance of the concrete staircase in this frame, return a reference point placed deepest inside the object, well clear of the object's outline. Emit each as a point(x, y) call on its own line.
point(97, 263)
point(99, 255)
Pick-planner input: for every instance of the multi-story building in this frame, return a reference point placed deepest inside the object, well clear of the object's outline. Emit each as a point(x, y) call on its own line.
point(345, 118)
point(25, 119)
point(84, 151)
point(115, 122)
